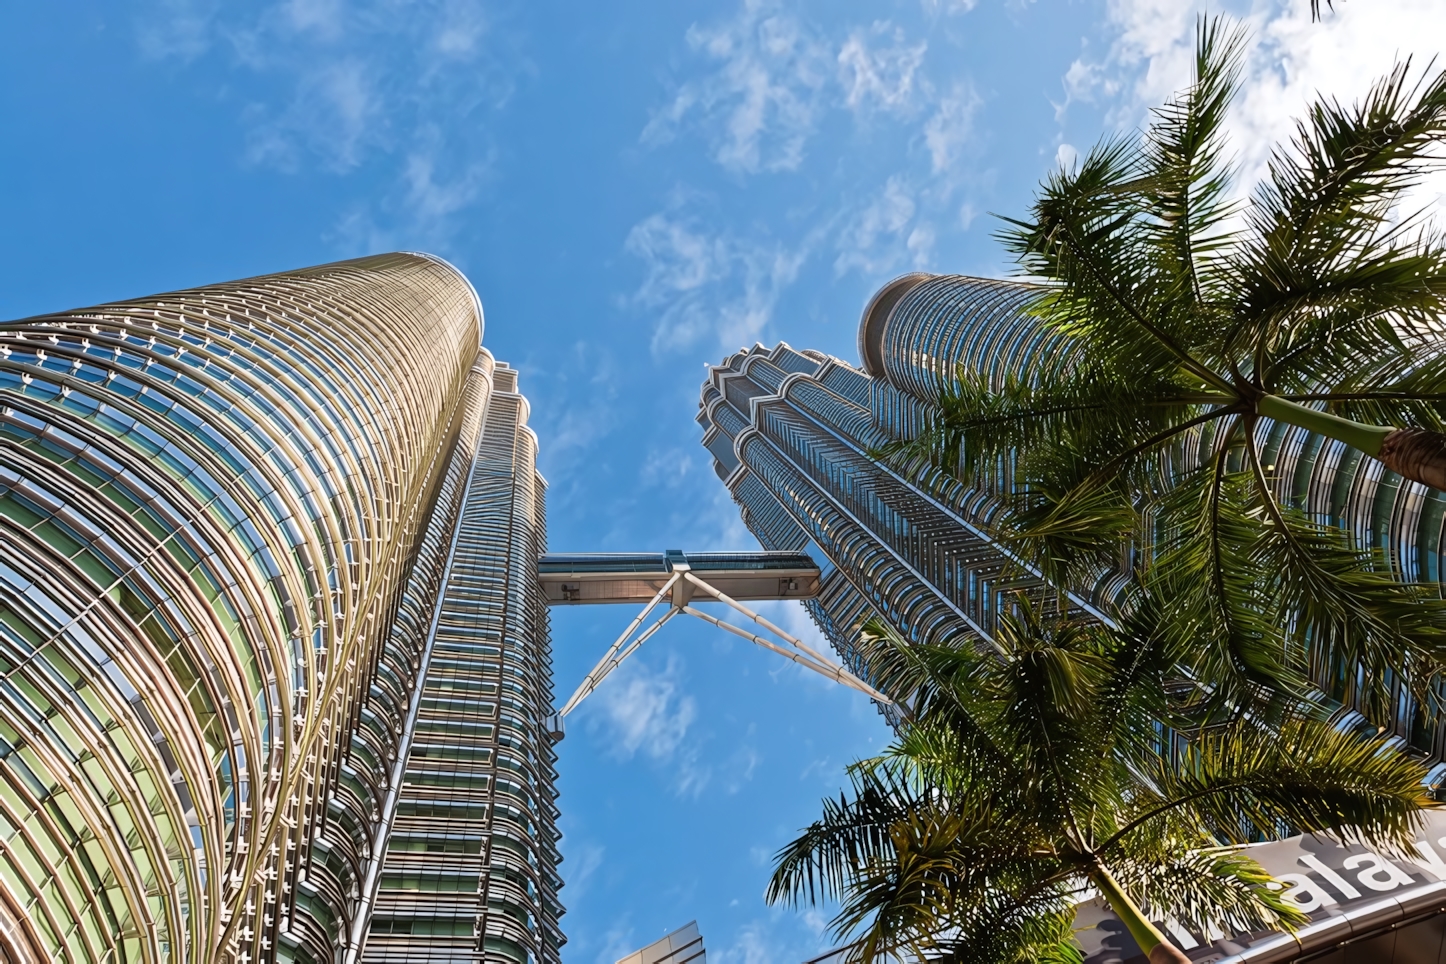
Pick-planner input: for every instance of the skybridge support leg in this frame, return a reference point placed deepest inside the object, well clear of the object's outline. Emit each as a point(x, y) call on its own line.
point(607, 664)
point(834, 672)
point(739, 607)
point(681, 584)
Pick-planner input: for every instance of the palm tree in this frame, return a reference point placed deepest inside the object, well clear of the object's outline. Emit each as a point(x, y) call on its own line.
point(1029, 774)
point(1187, 320)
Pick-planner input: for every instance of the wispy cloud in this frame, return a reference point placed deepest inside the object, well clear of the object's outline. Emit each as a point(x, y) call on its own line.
point(617, 943)
point(771, 76)
point(948, 6)
point(1290, 62)
point(753, 945)
point(177, 29)
point(885, 233)
point(764, 81)
point(582, 863)
point(740, 767)
point(669, 468)
point(323, 17)
point(760, 101)
point(335, 115)
point(878, 69)
point(644, 710)
point(776, 939)
point(949, 129)
point(358, 84)
point(705, 284)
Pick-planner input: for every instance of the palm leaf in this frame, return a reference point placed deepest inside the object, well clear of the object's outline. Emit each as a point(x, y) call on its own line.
point(1307, 777)
point(1325, 208)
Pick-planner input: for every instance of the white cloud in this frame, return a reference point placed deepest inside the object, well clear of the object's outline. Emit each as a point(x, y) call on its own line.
point(617, 943)
point(823, 770)
point(334, 113)
point(753, 946)
point(947, 132)
point(177, 29)
point(461, 29)
point(433, 198)
point(720, 523)
point(774, 940)
point(740, 767)
point(1295, 60)
point(1066, 156)
point(1290, 62)
point(643, 711)
point(771, 76)
point(884, 232)
point(582, 863)
point(705, 284)
point(588, 374)
point(668, 467)
point(760, 101)
point(795, 619)
point(356, 83)
point(324, 17)
point(757, 104)
point(875, 76)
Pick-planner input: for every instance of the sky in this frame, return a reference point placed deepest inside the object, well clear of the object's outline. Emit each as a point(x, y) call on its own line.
point(635, 189)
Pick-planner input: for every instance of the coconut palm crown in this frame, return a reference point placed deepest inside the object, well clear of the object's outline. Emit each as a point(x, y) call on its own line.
point(1030, 773)
point(1190, 319)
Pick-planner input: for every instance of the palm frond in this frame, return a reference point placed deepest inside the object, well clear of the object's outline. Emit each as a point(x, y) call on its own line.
point(1324, 212)
point(1139, 697)
point(1207, 889)
point(1213, 593)
point(852, 832)
point(1186, 189)
point(1340, 600)
point(1006, 931)
point(1335, 598)
point(1307, 776)
point(979, 421)
point(1065, 531)
point(934, 677)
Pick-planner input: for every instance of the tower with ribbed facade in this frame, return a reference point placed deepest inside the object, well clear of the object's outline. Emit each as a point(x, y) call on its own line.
point(792, 435)
point(267, 559)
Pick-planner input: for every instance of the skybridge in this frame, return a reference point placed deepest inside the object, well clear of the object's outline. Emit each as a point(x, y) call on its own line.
point(674, 581)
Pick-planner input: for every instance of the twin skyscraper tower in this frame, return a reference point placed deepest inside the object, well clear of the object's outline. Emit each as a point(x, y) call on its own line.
point(275, 673)
point(272, 647)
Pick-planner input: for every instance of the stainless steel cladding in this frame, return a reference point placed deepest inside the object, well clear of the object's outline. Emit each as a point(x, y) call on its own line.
point(225, 518)
point(792, 435)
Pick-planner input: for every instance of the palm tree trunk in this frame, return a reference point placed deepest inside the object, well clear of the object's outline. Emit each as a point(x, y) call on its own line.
point(1156, 947)
point(1414, 453)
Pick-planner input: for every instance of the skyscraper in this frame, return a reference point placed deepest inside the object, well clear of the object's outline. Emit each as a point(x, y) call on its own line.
point(791, 434)
point(267, 557)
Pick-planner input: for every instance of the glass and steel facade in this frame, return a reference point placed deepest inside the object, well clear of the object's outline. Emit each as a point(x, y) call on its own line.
point(252, 538)
point(683, 946)
point(790, 433)
point(470, 868)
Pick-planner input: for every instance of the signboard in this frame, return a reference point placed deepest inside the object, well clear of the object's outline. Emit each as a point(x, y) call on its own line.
point(1381, 909)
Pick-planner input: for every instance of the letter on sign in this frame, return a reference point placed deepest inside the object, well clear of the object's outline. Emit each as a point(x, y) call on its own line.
point(1304, 892)
point(1378, 873)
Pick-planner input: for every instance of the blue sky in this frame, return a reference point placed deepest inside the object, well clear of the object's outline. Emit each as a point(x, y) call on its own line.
point(635, 189)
